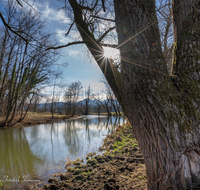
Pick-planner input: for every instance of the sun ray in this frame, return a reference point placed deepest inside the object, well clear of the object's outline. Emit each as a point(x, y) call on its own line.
point(135, 35)
point(140, 65)
point(116, 80)
point(103, 61)
point(95, 43)
point(147, 62)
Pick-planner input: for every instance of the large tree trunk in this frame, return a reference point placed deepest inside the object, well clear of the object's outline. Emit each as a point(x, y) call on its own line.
point(163, 113)
point(162, 109)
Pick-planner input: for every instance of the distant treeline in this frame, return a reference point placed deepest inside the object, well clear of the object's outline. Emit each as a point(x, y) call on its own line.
point(71, 105)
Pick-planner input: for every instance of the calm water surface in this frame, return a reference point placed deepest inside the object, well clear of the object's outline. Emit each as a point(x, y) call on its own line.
point(42, 150)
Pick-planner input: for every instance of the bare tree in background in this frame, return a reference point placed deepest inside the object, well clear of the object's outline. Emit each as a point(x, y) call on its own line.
point(102, 102)
point(164, 13)
point(111, 102)
point(88, 94)
point(71, 96)
point(35, 102)
point(47, 100)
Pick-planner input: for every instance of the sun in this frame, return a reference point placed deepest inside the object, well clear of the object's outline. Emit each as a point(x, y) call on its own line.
point(107, 52)
point(110, 52)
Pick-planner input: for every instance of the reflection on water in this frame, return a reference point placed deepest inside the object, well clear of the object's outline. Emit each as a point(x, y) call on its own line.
point(32, 150)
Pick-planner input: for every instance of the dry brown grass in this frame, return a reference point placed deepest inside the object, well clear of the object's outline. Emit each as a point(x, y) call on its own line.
point(33, 118)
point(41, 115)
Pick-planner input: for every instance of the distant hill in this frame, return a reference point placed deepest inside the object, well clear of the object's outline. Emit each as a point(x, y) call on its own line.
point(81, 104)
point(92, 103)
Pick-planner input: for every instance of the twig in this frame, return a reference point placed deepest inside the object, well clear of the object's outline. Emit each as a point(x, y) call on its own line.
point(69, 29)
point(13, 31)
point(69, 44)
point(19, 3)
point(105, 33)
point(107, 19)
point(103, 5)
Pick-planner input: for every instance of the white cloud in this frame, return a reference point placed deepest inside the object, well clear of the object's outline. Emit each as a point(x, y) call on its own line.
point(52, 14)
point(61, 36)
point(74, 35)
point(73, 53)
point(46, 11)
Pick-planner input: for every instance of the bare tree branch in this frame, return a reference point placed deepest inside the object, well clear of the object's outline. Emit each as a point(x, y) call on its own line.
point(158, 9)
point(69, 29)
point(27, 4)
point(103, 5)
point(13, 31)
point(19, 3)
point(30, 5)
point(95, 4)
point(105, 33)
point(69, 44)
point(88, 8)
point(106, 19)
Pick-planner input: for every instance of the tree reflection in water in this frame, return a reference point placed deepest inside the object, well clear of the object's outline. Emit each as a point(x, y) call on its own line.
point(16, 157)
point(31, 150)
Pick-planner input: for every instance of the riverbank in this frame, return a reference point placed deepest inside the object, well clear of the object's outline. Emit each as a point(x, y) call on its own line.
point(35, 118)
point(106, 114)
point(120, 167)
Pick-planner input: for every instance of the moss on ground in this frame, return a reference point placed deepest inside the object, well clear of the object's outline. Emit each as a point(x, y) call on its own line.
point(120, 167)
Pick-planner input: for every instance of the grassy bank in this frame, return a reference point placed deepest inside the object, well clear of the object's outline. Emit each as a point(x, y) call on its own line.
point(120, 167)
point(34, 118)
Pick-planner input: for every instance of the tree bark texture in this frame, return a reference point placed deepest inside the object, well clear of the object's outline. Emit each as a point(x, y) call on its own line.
point(181, 9)
point(163, 113)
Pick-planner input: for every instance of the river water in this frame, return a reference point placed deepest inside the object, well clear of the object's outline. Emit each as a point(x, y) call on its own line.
point(40, 151)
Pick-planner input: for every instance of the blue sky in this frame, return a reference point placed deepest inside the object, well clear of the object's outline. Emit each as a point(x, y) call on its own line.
point(79, 66)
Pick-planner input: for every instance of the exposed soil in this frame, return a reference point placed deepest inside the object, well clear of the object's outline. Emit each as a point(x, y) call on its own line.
point(120, 167)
